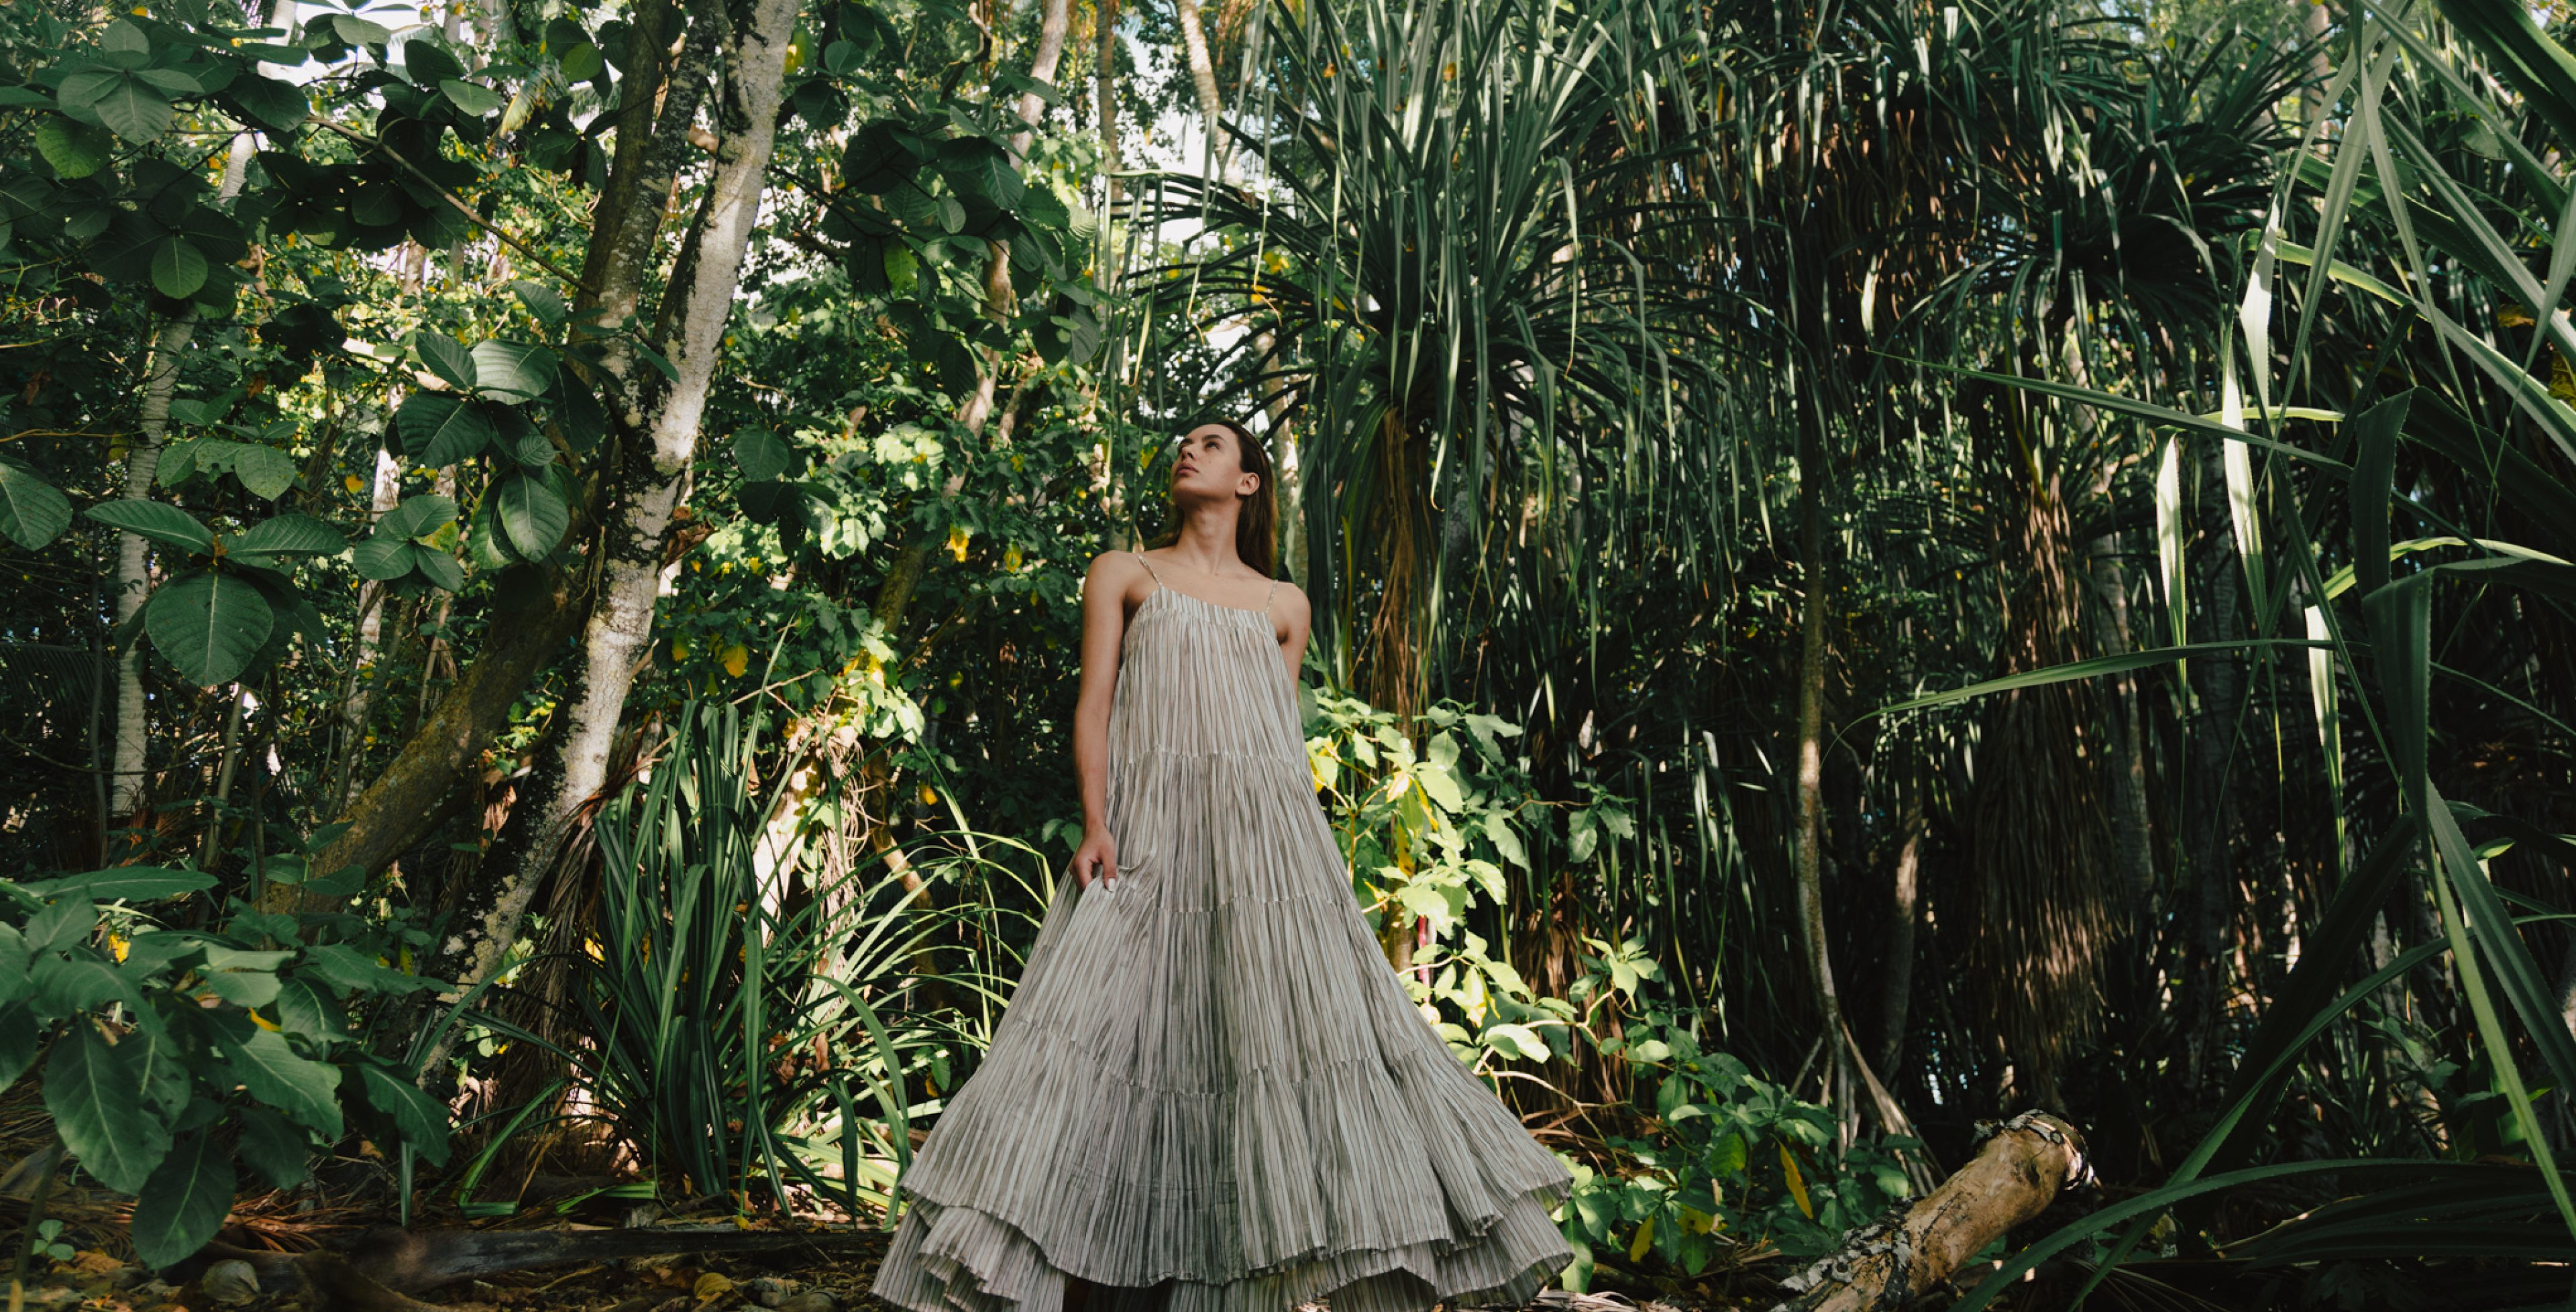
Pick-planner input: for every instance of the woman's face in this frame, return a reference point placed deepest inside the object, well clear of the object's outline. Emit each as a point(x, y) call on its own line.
point(1209, 464)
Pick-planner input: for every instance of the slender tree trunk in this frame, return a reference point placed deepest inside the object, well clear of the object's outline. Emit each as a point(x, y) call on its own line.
point(1052, 22)
point(1904, 912)
point(1104, 83)
point(134, 558)
point(1810, 854)
point(693, 314)
point(1203, 79)
point(361, 691)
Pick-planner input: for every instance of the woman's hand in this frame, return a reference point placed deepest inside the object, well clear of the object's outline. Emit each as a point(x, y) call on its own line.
point(1097, 858)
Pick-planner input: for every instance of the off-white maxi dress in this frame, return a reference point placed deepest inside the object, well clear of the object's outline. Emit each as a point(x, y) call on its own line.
point(1209, 1093)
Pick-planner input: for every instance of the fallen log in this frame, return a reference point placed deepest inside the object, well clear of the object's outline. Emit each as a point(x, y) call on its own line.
point(2019, 1171)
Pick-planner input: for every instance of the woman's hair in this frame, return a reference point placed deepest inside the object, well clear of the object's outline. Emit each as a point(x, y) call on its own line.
point(1256, 529)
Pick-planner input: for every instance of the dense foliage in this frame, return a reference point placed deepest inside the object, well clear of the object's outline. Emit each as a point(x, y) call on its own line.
point(1874, 566)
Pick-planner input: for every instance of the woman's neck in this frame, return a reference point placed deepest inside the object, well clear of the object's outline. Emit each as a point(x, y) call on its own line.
point(1206, 539)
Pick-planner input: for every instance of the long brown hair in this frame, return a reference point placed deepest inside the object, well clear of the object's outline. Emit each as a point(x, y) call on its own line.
point(1256, 538)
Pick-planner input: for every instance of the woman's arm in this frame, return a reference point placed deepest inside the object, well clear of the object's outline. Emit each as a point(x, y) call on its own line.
point(1296, 621)
point(1104, 624)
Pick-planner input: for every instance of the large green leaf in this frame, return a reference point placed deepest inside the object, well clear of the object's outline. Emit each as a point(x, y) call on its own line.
point(306, 1090)
point(134, 110)
point(290, 534)
point(446, 357)
point(513, 371)
point(75, 149)
point(165, 524)
point(761, 455)
point(267, 472)
point(178, 269)
point(209, 625)
point(184, 1203)
point(274, 103)
point(381, 559)
point(33, 512)
point(438, 567)
point(474, 98)
point(417, 517)
point(275, 1147)
point(438, 428)
point(92, 1096)
point(422, 1122)
point(127, 883)
point(20, 1035)
point(531, 514)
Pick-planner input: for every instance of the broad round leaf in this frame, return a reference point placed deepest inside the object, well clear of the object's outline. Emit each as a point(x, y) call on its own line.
point(416, 517)
point(75, 149)
point(209, 625)
point(165, 524)
point(877, 162)
point(178, 269)
point(97, 1109)
point(184, 1203)
point(761, 455)
point(134, 110)
point(513, 371)
point(381, 559)
point(290, 534)
point(124, 38)
point(33, 512)
point(84, 89)
point(531, 515)
point(358, 31)
point(265, 470)
point(426, 64)
point(438, 430)
point(273, 102)
point(474, 99)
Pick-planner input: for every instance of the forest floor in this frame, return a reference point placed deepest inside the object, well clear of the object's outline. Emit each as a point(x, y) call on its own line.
point(85, 1261)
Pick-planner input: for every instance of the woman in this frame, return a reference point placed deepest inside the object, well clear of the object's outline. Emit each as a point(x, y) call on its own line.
point(1209, 1093)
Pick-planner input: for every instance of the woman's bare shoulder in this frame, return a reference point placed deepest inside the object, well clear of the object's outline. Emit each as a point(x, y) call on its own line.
point(1291, 599)
point(1115, 567)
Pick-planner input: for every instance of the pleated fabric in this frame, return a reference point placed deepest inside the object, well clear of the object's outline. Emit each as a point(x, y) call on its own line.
point(1209, 1093)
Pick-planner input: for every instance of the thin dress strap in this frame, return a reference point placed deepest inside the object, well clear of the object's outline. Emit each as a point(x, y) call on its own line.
point(1267, 596)
point(1149, 567)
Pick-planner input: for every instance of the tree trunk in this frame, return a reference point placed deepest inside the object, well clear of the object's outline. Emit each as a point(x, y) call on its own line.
point(1052, 22)
point(533, 613)
point(1104, 83)
point(664, 414)
point(1203, 79)
point(361, 688)
point(2030, 1160)
point(2131, 838)
point(1810, 853)
point(134, 559)
point(1904, 911)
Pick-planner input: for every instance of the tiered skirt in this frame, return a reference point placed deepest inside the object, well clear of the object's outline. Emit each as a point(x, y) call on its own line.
point(1209, 1093)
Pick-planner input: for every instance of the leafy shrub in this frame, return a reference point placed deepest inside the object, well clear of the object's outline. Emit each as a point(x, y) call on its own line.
point(170, 1055)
